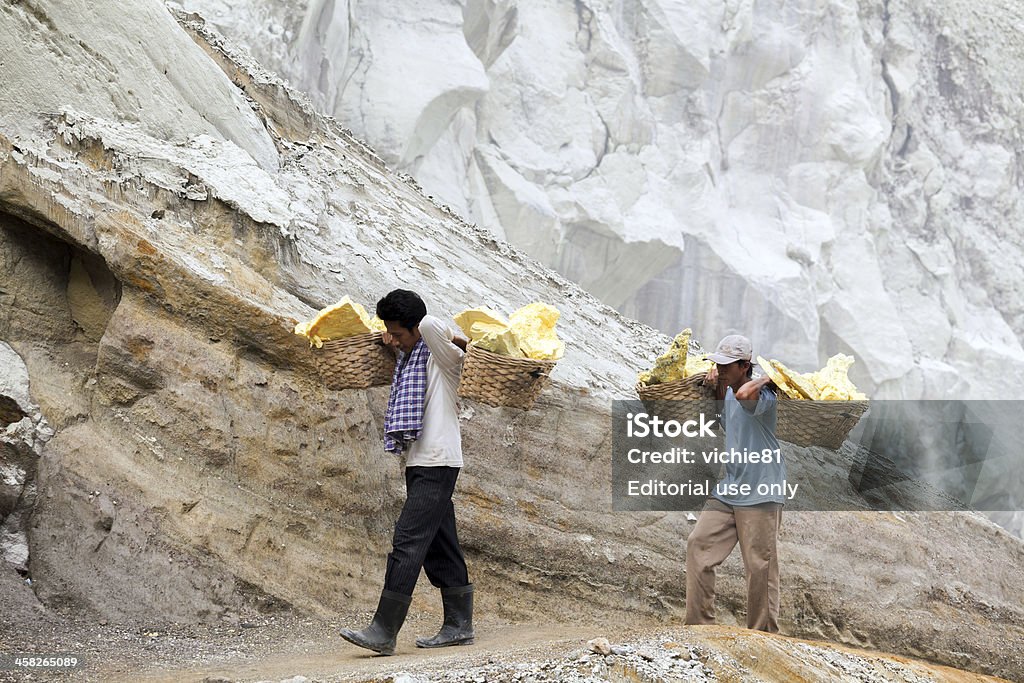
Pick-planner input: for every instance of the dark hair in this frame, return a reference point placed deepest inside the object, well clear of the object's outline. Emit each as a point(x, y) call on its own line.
point(750, 366)
point(403, 307)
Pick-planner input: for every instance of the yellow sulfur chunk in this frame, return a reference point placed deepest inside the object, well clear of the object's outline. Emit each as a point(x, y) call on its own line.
point(781, 380)
point(696, 365)
point(503, 342)
point(675, 363)
point(534, 325)
point(529, 332)
point(795, 380)
point(486, 320)
point(344, 319)
point(831, 383)
point(488, 330)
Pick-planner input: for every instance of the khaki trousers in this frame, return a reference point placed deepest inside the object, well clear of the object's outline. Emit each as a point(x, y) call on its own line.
point(719, 527)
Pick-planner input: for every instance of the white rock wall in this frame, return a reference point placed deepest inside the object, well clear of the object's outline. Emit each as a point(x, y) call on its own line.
point(824, 176)
point(129, 61)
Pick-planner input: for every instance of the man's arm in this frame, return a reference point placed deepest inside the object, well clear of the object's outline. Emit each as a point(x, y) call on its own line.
point(750, 393)
point(443, 344)
point(752, 389)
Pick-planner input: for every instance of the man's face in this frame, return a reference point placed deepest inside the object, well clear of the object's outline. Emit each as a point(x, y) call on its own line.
point(731, 373)
point(402, 337)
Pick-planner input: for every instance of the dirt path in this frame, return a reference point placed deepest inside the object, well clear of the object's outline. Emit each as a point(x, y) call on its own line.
point(332, 659)
point(547, 655)
point(280, 647)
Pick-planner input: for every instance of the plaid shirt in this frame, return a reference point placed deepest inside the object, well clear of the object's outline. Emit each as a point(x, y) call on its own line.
point(403, 421)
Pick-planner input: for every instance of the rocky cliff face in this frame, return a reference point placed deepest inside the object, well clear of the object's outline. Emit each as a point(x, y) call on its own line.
point(827, 176)
point(198, 469)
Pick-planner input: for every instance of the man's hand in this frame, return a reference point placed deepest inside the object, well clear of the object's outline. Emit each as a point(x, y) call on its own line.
point(752, 389)
point(711, 379)
point(460, 342)
point(388, 339)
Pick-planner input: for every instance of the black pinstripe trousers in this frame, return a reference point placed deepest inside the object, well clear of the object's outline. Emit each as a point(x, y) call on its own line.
point(425, 533)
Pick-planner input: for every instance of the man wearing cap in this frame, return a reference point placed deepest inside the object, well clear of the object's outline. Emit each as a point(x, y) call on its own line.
point(730, 515)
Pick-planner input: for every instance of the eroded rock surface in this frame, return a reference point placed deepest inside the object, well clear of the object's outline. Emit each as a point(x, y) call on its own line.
point(824, 176)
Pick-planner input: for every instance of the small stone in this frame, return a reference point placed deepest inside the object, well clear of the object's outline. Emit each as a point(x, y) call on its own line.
point(600, 645)
point(621, 650)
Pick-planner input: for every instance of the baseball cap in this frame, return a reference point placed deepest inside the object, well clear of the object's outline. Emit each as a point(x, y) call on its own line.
point(731, 349)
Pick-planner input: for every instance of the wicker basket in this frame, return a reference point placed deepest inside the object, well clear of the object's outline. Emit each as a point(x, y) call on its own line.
point(688, 388)
point(817, 423)
point(503, 381)
point(681, 399)
point(356, 362)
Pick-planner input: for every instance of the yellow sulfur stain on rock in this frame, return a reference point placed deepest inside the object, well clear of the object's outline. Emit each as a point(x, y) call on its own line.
point(344, 319)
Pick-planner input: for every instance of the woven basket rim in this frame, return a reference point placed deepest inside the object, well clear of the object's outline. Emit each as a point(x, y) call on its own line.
point(361, 338)
point(689, 379)
point(685, 381)
point(490, 356)
point(823, 403)
point(786, 397)
point(669, 391)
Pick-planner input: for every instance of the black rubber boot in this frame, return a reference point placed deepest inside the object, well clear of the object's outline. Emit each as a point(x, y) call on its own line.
point(381, 634)
point(458, 619)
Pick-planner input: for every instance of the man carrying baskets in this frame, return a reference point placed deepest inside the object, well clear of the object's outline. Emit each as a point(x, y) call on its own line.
point(422, 423)
point(737, 512)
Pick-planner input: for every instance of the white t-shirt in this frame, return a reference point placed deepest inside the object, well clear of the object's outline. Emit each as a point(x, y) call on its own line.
point(440, 443)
